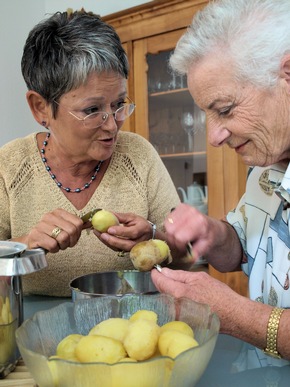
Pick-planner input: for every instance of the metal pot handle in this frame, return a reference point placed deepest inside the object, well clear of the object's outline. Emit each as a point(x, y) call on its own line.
point(16, 286)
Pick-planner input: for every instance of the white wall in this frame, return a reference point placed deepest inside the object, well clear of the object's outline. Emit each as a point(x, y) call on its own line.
point(15, 22)
point(17, 17)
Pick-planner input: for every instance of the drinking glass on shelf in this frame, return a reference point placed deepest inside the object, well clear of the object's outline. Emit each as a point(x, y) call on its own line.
point(187, 124)
point(199, 118)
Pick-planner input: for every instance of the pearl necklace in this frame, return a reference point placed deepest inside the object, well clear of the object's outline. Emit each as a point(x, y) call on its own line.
point(58, 183)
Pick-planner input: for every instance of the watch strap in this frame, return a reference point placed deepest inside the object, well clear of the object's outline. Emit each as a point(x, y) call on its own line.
point(272, 333)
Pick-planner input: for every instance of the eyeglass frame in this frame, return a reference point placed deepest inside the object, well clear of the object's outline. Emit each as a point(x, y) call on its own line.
point(106, 114)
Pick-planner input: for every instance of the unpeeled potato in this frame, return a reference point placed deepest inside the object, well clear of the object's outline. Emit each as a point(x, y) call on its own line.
point(144, 255)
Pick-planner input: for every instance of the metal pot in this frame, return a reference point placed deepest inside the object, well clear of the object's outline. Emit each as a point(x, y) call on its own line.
point(15, 261)
point(112, 283)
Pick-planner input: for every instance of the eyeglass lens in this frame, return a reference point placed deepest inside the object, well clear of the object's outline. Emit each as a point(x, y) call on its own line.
point(119, 115)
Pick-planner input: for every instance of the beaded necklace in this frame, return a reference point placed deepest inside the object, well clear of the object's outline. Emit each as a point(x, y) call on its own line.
point(58, 183)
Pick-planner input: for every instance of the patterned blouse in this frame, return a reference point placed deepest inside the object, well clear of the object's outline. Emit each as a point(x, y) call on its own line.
point(261, 220)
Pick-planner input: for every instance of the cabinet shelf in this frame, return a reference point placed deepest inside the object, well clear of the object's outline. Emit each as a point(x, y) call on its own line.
point(165, 92)
point(171, 98)
point(182, 155)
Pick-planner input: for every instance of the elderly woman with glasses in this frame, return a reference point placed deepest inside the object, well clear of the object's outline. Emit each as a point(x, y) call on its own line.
point(76, 71)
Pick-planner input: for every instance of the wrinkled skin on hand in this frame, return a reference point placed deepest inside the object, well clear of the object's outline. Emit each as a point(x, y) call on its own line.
point(186, 224)
point(200, 287)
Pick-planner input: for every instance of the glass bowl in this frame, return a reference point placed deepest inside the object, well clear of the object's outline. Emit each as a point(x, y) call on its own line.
point(37, 339)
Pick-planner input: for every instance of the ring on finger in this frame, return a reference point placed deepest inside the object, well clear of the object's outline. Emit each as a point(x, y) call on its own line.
point(121, 253)
point(55, 232)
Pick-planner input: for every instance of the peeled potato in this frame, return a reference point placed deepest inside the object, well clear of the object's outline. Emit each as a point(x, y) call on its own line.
point(104, 219)
point(66, 347)
point(95, 348)
point(145, 315)
point(115, 328)
point(141, 339)
point(144, 255)
point(171, 343)
point(179, 326)
point(130, 340)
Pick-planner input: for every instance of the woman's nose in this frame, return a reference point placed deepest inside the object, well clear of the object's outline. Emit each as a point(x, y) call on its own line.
point(110, 123)
point(217, 134)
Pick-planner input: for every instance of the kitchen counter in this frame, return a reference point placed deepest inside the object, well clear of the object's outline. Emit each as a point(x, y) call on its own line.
point(221, 371)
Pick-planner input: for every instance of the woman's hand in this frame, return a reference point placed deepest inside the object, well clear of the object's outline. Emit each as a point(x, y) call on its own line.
point(187, 225)
point(132, 229)
point(57, 230)
point(213, 239)
point(199, 287)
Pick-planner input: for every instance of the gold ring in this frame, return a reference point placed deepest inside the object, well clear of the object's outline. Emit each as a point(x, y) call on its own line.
point(170, 220)
point(121, 253)
point(55, 232)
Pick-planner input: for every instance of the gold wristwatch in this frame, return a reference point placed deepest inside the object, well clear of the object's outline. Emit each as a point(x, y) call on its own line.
point(272, 332)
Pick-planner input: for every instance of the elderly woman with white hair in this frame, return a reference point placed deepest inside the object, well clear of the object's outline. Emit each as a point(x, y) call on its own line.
point(236, 55)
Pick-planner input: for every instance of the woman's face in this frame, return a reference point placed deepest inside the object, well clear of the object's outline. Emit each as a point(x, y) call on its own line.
point(105, 92)
point(253, 122)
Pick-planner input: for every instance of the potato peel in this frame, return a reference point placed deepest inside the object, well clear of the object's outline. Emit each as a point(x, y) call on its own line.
point(144, 255)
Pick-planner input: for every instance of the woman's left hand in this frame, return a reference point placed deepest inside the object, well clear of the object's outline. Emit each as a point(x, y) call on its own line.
point(132, 229)
point(200, 287)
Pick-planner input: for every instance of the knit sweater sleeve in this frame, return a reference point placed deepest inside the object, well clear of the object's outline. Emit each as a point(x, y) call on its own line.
point(5, 230)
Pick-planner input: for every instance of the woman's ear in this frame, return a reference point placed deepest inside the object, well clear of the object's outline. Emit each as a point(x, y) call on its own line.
point(285, 69)
point(39, 107)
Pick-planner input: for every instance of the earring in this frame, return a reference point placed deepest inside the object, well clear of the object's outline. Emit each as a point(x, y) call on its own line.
point(43, 123)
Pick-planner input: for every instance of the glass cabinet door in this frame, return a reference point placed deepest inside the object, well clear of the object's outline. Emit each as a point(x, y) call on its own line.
point(177, 130)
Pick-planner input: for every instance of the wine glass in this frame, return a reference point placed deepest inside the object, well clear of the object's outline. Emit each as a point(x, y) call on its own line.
point(199, 118)
point(187, 124)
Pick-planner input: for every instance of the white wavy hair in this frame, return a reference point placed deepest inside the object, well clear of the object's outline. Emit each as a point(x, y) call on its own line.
point(255, 34)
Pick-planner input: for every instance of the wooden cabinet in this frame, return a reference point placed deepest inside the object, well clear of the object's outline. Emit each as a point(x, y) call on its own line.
point(149, 33)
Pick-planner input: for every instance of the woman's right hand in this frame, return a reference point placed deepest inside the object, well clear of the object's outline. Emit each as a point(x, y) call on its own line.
point(56, 230)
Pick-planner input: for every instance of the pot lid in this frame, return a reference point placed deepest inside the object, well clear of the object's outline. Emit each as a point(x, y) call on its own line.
point(9, 249)
point(15, 259)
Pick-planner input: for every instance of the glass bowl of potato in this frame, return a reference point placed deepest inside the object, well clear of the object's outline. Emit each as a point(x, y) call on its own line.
point(128, 341)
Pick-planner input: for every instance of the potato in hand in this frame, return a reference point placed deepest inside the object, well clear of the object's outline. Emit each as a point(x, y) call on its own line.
point(144, 255)
point(103, 219)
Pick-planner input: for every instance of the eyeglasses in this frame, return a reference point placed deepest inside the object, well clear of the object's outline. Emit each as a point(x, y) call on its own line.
point(94, 120)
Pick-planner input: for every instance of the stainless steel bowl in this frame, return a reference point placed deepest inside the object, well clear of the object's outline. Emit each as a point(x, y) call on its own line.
point(116, 283)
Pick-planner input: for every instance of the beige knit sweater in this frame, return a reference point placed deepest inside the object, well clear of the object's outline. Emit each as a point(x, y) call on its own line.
point(135, 181)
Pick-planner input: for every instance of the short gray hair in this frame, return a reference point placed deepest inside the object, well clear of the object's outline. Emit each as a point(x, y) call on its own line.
point(64, 49)
point(254, 34)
